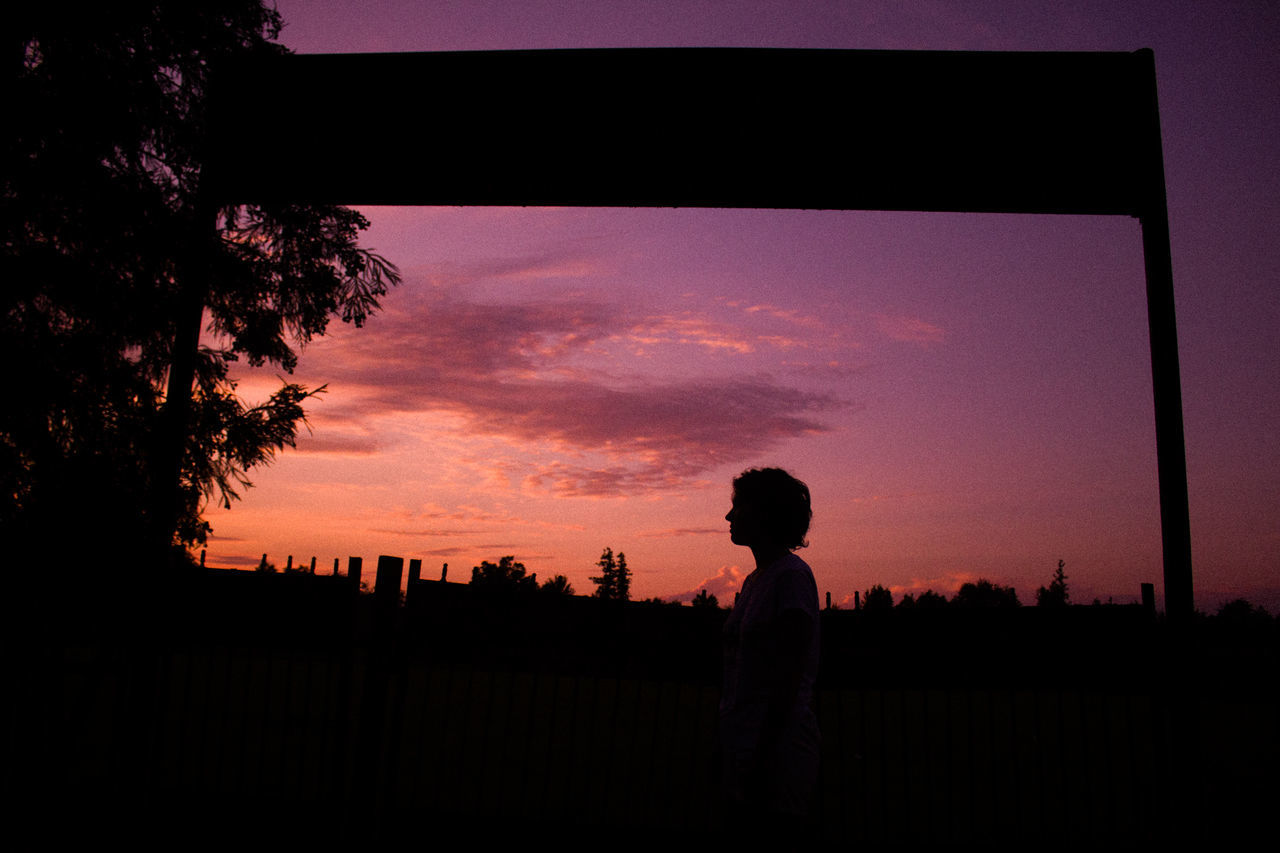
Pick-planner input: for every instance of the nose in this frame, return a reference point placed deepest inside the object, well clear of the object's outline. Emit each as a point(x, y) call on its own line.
point(728, 516)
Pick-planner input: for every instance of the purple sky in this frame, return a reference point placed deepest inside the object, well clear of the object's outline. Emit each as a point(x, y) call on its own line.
point(967, 395)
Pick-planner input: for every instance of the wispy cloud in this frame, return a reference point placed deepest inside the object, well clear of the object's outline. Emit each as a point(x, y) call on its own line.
point(447, 552)
point(683, 531)
point(239, 560)
point(564, 264)
point(689, 328)
point(339, 445)
point(422, 532)
point(911, 330)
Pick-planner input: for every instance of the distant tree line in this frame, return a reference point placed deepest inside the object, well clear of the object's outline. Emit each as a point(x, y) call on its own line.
point(982, 593)
point(508, 575)
point(612, 584)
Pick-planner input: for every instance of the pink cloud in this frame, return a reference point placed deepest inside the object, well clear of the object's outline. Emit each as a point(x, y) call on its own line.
point(946, 584)
point(724, 585)
point(690, 329)
point(514, 370)
point(786, 314)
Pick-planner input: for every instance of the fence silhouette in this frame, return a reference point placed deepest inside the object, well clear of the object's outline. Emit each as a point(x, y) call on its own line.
point(289, 704)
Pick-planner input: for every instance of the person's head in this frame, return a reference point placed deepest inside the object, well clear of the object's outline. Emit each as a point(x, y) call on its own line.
point(769, 507)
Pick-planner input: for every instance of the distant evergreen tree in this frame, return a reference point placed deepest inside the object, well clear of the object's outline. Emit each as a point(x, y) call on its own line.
point(614, 581)
point(623, 582)
point(705, 599)
point(1055, 594)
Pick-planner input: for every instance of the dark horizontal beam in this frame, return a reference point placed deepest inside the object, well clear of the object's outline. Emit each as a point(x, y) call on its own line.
point(715, 127)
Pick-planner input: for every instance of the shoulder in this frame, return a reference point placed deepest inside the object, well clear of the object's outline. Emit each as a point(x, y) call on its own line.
point(791, 566)
point(796, 586)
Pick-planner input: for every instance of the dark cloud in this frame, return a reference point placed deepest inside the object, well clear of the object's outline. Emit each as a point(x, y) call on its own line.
point(241, 560)
point(446, 552)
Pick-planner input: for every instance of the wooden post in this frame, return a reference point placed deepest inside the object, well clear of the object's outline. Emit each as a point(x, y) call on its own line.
point(415, 575)
point(1149, 598)
point(386, 589)
point(355, 567)
point(288, 566)
point(313, 565)
point(335, 567)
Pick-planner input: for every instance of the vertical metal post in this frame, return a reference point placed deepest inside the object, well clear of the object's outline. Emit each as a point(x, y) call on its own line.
point(1171, 454)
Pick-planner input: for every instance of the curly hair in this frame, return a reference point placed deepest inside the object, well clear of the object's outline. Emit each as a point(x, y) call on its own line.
point(783, 501)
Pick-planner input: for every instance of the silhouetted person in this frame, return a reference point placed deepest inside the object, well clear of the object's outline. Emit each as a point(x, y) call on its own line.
point(768, 732)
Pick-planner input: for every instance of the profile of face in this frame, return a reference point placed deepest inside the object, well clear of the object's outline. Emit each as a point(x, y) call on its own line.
point(744, 519)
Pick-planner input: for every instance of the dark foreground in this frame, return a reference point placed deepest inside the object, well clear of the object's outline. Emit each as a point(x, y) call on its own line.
point(281, 710)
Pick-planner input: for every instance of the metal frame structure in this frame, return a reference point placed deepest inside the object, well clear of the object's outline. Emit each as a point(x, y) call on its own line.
point(1072, 133)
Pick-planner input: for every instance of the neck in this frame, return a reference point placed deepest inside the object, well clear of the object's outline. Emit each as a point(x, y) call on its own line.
point(767, 554)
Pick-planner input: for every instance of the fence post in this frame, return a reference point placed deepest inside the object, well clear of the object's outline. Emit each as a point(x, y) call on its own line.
point(355, 567)
point(415, 575)
point(313, 565)
point(335, 567)
point(386, 590)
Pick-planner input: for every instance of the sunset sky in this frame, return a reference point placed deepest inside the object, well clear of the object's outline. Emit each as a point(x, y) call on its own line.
point(966, 395)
